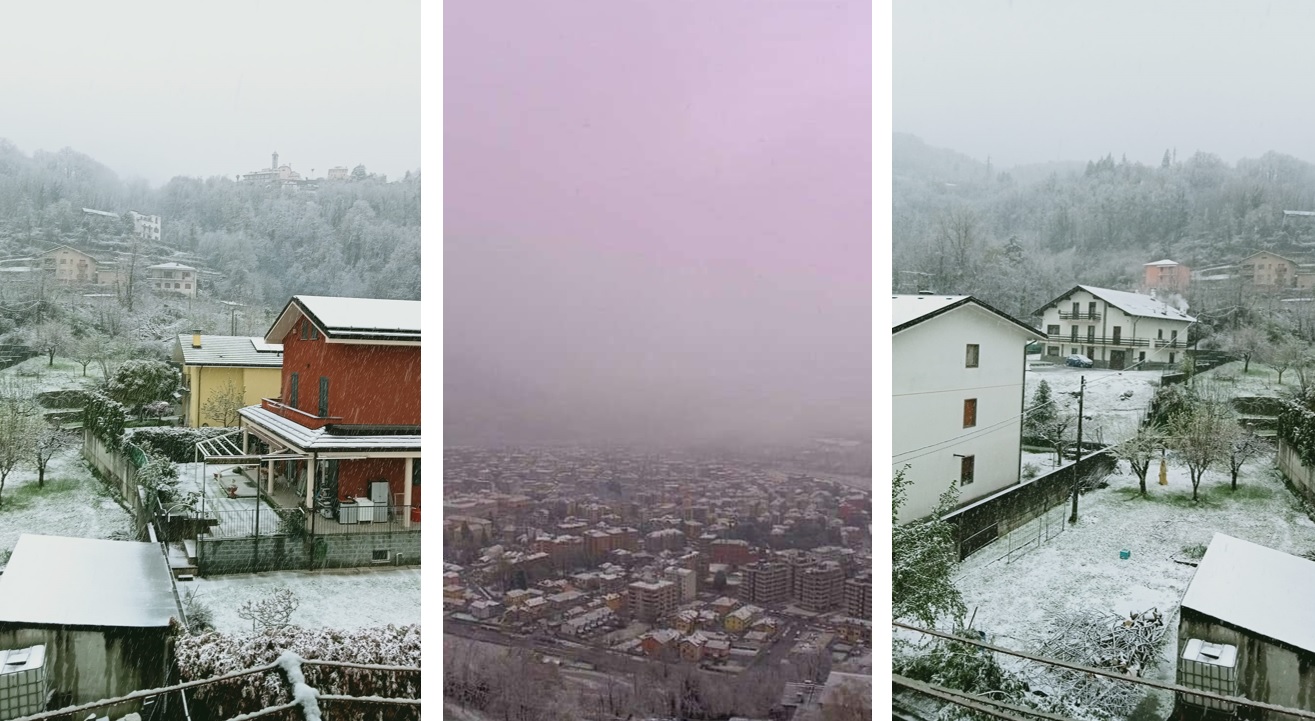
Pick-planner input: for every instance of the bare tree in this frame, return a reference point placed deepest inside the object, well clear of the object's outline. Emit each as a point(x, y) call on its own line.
point(1247, 342)
point(83, 350)
point(1139, 450)
point(50, 439)
point(223, 403)
point(1288, 354)
point(1055, 430)
point(1195, 435)
point(272, 611)
point(1241, 444)
point(50, 337)
point(848, 702)
point(19, 419)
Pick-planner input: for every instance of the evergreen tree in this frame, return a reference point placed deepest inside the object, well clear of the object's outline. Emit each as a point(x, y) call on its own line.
point(924, 557)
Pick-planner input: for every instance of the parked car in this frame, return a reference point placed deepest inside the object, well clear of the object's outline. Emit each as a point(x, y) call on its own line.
point(1078, 361)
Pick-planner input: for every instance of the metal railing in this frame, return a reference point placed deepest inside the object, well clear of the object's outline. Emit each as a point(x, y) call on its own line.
point(268, 521)
point(1119, 341)
point(1078, 316)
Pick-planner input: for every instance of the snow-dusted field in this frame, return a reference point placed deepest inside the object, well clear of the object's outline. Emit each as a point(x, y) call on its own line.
point(1112, 416)
point(335, 598)
point(1081, 568)
point(72, 503)
point(39, 376)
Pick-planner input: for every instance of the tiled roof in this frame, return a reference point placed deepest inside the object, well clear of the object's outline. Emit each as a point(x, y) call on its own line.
point(228, 350)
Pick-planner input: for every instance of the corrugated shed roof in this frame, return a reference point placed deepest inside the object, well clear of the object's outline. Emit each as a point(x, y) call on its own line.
point(320, 440)
point(229, 350)
point(59, 581)
point(1256, 588)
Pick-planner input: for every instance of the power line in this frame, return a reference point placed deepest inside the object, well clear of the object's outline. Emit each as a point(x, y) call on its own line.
point(1300, 713)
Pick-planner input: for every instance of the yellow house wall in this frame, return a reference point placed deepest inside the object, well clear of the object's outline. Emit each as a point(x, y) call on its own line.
point(204, 381)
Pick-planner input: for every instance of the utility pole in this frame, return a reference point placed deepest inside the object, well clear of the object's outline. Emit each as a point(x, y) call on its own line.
point(1082, 394)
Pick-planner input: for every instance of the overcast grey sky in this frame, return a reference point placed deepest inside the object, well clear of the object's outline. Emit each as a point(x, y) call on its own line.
point(1033, 80)
point(155, 89)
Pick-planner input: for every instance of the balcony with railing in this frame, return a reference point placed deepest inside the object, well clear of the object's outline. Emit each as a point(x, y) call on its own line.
point(1069, 315)
point(1118, 341)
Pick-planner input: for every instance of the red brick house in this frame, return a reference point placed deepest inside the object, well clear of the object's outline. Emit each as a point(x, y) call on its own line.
point(348, 412)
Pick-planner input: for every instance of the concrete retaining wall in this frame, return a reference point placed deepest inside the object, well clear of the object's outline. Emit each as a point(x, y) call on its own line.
point(216, 556)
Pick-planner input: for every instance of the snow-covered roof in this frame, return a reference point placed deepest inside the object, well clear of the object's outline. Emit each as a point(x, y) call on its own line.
point(909, 310)
point(1299, 212)
point(1255, 588)
point(169, 266)
point(59, 581)
point(376, 319)
point(1166, 261)
point(229, 350)
point(321, 440)
point(100, 212)
point(1136, 304)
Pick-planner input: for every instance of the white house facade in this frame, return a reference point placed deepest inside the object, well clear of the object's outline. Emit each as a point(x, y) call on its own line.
point(958, 368)
point(1114, 328)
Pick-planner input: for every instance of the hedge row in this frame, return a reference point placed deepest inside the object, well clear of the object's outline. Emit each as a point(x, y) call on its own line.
point(176, 444)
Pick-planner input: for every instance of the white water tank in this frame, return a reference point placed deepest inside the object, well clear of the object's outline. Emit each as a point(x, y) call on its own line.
point(1209, 667)
point(23, 688)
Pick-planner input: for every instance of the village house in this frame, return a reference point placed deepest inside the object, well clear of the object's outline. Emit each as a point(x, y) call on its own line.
point(1266, 270)
point(1166, 276)
point(738, 621)
point(958, 369)
point(660, 643)
point(69, 266)
point(347, 420)
point(1258, 642)
point(217, 365)
point(172, 278)
point(1115, 329)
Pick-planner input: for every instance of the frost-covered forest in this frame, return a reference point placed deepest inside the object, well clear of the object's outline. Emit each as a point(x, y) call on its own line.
point(1018, 237)
point(255, 246)
point(355, 237)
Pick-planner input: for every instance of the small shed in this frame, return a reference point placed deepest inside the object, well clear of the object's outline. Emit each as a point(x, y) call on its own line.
point(1259, 601)
point(102, 609)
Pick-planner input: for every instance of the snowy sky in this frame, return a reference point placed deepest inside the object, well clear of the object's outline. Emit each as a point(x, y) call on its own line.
point(1027, 81)
point(658, 216)
point(154, 88)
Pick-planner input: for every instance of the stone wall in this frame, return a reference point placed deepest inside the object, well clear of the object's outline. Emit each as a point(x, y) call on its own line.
point(216, 556)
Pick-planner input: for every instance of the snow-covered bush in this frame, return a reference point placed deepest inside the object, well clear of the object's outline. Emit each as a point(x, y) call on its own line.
point(176, 444)
point(105, 418)
point(215, 654)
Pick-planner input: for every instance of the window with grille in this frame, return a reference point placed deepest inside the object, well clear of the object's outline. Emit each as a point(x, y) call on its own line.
point(967, 466)
point(970, 413)
point(973, 352)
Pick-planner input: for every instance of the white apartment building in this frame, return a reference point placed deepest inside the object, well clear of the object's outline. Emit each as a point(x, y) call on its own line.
point(958, 367)
point(146, 226)
point(172, 278)
point(1114, 328)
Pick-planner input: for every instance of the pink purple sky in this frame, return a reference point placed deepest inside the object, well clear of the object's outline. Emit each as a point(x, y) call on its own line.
point(657, 220)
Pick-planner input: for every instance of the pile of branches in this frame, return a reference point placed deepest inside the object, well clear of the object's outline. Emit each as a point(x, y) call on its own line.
point(1128, 644)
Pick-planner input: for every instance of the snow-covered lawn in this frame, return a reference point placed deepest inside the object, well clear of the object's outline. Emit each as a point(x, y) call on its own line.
point(1115, 400)
point(335, 598)
point(40, 376)
point(1081, 569)
point(72, 503)
point(1258, 381)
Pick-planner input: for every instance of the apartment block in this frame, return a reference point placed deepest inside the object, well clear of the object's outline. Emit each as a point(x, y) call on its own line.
point(766, 582)
point(650, 601)
point(858, 596)
point(823, 586)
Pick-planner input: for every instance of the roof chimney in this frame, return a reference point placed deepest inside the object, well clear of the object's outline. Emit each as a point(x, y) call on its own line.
point(196, 339)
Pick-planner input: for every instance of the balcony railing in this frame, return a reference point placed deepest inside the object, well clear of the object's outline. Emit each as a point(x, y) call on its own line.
point(1078, 316)
point(1120, 342)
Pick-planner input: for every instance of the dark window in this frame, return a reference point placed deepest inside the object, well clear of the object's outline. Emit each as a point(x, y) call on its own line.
point(970, 413)
point(1091, 309)
point(973, 350)
point(292, 390)
point(1173, 334)
point(967, 465)
point(1118, 331)
point(379, 556)
point(1141, 356)
point(1075, 335)
point(1171, 358)
point(324, 396)
point(304, 323)
point(1052, 330)
point(1052, 350)
point(1091, 334)
point(314, 333)
point(1091, 352)
point(1160, 333)
point(1077, 309)
point(415, 472)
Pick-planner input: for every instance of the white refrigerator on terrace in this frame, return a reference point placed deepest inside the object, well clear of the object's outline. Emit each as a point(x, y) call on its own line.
point(379, 496)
